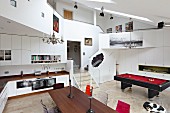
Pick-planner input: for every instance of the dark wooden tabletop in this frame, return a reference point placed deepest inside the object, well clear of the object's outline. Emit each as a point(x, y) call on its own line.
point(79, 103)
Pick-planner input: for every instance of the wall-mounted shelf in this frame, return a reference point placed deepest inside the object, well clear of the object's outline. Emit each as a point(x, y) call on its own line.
point(154, 69)
point(5, 55)
point(45, 59)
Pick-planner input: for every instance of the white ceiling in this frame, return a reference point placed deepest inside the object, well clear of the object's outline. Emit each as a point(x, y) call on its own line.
point(11, 27)
point(155, 10)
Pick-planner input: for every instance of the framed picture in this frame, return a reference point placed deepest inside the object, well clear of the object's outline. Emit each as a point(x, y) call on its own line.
point(118, 28)
point(55, 23)
point(129, 26)
point(109, 30)
point(13, 3)
point(88, 41)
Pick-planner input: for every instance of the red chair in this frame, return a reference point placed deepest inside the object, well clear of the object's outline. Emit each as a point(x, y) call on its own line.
point(89, 90)
point(122, 107)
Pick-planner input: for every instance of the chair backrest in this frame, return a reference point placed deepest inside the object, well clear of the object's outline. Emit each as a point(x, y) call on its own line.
point(58, 86)
point(102, 97)
point(44, 107)
point(89, 90)
point(122, 107)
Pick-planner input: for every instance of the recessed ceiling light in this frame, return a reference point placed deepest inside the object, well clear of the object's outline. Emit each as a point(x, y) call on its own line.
point(126, 15)
point(104, 1)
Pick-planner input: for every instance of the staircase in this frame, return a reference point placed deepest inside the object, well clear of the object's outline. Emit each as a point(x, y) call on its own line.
point(83, 78)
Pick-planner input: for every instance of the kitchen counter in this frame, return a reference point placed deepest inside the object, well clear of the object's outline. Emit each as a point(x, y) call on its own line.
point(4, 80)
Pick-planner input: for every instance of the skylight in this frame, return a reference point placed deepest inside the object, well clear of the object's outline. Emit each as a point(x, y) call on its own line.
point(126, 15)
point(104, 1)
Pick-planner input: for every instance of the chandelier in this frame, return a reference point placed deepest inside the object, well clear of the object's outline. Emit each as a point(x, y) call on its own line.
point(53, 39)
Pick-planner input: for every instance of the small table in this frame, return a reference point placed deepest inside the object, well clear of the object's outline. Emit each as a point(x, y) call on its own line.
point(154, 85)
point(79, 103)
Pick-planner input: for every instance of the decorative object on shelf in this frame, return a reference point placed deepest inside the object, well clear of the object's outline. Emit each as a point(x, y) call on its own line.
point(111, 17)
point(88, 41)
point(129, 26)
point(97, 60)
point(70, 95)
point(109, 30)
point(118, 28)
point(90, 110)
point(13, 3)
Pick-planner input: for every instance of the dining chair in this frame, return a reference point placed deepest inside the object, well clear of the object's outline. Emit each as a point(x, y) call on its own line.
point(58, 86)
point(102, 97)
point(89, 90)
point(122, 107)
point(50, 110)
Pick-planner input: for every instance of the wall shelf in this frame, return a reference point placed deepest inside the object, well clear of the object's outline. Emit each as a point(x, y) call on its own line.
point(154, 69)
point(5, 55)
point(45, 59)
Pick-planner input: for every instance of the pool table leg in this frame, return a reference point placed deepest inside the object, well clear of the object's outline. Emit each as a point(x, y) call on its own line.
point(152, 93)
point(125, 85)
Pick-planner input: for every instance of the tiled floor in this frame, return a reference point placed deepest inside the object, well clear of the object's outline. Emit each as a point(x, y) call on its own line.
point(135, 97)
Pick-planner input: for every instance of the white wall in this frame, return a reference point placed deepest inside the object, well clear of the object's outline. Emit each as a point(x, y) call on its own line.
point(106, 23)
point(77, 31)
point(29, 13)
point(106, 70)
point(81, 14)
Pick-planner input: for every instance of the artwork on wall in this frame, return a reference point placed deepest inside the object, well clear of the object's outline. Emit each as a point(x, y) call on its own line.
point(88, 41)
point(97, 60)
point(55, 23)
point(109, 30)
point(13, 3)
point(129, 26)
point(118, 28)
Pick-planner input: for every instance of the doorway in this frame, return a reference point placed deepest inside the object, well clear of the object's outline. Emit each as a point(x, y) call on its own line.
point(74, 52)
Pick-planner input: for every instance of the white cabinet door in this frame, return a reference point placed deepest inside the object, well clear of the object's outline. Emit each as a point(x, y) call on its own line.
point(25, 90)
point(35, 45)
point(11, 88)
point(149, 38)
point(26, 43)
point(16, 42)
point(5, 42)
point(16, 57)
point(26, 57)
point(44, 47)
point(63, 79)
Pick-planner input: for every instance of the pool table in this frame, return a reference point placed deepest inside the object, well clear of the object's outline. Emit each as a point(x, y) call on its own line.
point(154, 85)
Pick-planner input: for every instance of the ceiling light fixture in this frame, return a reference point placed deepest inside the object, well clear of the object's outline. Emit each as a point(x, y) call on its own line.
point(103, 1)
point(111, 17)
point(102, 14)
point(126, 15)
point(163, 24)
point(75, 5)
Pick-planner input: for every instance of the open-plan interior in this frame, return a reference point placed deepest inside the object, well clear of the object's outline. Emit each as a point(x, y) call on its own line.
point(84, 56)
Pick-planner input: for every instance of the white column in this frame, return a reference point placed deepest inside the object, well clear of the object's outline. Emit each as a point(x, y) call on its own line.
point(94, 18)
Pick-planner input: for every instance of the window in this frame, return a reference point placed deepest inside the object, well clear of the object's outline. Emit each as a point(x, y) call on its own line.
point(68, 15)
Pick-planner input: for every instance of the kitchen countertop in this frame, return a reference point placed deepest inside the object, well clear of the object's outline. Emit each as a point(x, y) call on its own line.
point(4, 80)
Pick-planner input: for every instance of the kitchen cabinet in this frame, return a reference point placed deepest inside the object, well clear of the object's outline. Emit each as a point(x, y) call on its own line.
point(5, 42)
point(26, 57)
point(63, 79)
point(22, 91)
point(26, 43)
point(16, 42)
point(35, 45)
point(16, 57)
point(11, 88)
point(3, 98)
